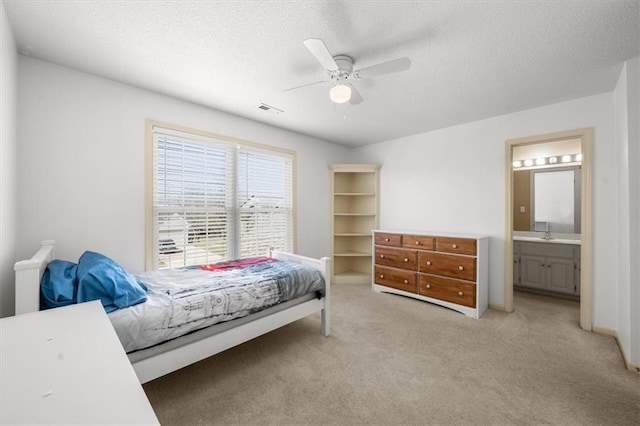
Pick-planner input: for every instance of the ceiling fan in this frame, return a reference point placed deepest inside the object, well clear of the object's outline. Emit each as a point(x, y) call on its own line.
point(341, 73)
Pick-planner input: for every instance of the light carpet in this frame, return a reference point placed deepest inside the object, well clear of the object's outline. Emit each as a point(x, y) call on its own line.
point(395, 360)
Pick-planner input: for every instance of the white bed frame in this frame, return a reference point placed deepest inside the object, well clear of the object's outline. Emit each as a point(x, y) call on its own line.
point(29, 273)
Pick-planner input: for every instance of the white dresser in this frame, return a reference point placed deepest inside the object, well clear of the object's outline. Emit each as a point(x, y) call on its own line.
point(66, 365)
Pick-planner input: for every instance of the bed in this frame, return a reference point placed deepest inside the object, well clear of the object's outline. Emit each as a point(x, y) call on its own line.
point(163, 358)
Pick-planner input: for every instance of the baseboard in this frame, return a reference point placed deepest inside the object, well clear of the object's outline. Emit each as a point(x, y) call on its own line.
point(574, 297)
point(496, 307)
point(613, 333)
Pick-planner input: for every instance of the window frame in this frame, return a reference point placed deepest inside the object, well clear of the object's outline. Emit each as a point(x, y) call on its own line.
point(149, 167)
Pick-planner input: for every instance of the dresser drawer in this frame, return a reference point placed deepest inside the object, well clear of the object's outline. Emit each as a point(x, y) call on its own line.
point(398, 258)
point(456, 245)
point(385, 239)
point(447, 289)
point(462, 267)
point(418, 242)
point(402, 280)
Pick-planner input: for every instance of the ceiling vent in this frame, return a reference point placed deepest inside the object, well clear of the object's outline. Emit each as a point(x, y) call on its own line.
point(269, 108)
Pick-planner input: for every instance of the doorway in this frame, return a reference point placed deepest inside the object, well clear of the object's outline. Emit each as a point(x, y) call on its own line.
point(585, 137)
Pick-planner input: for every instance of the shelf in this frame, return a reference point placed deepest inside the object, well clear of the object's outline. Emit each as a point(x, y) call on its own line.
point(352, 254)
point(355, 208)
point(353, 224)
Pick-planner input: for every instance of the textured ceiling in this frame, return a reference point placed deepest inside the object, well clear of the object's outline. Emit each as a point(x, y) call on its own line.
point(470, 60)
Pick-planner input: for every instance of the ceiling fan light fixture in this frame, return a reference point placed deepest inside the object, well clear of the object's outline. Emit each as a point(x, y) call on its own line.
point(340, 93)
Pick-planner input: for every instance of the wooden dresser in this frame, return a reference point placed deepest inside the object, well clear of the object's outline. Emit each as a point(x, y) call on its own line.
point(449, 270)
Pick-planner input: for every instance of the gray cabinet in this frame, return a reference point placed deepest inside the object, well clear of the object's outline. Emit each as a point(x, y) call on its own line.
point(547, 266)
point(560, 275)
point(533, 271)
point(516, 263)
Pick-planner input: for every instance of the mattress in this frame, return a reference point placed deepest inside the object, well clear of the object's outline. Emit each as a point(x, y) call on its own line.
point(182, 300)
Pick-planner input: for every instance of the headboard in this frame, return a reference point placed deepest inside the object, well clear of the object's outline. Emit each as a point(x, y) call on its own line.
point(28, 275)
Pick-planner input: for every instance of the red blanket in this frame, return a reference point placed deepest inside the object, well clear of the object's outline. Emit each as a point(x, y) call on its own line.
point(239, 263)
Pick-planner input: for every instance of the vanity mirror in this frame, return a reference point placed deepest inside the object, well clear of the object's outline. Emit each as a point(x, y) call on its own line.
point(547, 188)
point(555, 200)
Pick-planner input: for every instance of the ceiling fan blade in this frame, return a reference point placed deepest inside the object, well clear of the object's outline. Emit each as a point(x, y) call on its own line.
point(355, 96)
point(320, 51)
point(396, 65)
point(315, 83)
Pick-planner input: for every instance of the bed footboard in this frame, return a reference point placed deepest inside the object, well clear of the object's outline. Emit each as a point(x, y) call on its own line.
point(324, 266)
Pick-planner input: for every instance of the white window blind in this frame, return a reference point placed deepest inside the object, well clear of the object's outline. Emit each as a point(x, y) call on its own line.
point(265, 202)
point(215, 200)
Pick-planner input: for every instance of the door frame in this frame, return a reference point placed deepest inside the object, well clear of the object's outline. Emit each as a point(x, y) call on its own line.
point(586, 261)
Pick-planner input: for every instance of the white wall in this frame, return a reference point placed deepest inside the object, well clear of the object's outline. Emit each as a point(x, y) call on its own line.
point(452, 180)
point(623, 244)
point(627, 142)
point(633, 105)
point(82, 163)
point(8, 142)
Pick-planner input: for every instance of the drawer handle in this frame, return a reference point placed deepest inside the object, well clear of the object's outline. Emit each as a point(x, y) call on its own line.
point(455, 246)
point(460, 268)
point(381, 276)
point(386, 239)
point(406, 259)
point(460, 293)
point(406, 281)
point(417, 243)
point(382, 256)
point(428, 285)
point(428, 263)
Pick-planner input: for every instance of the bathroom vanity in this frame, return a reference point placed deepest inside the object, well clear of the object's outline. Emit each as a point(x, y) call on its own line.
point(546, 265)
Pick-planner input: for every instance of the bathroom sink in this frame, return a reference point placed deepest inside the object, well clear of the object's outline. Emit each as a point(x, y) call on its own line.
point(542, 240)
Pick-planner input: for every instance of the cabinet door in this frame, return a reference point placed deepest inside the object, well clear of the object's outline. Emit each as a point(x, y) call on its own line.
point(532, 271)
point(516, 270)
point(560, 275)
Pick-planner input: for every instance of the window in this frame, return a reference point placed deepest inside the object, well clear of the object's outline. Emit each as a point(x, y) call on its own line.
point(215, 198)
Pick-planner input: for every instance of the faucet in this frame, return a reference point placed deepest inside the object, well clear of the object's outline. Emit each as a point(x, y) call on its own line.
point(547, 235)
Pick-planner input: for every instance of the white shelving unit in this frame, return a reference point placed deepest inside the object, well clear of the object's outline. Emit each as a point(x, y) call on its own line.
point(354, 207)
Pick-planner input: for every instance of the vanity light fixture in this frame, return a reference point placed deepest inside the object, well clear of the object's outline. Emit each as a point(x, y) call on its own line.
point(541, 161)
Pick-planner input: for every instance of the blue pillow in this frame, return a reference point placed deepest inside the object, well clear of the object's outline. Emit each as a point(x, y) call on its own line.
point(100, 278)
point(59, 284)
